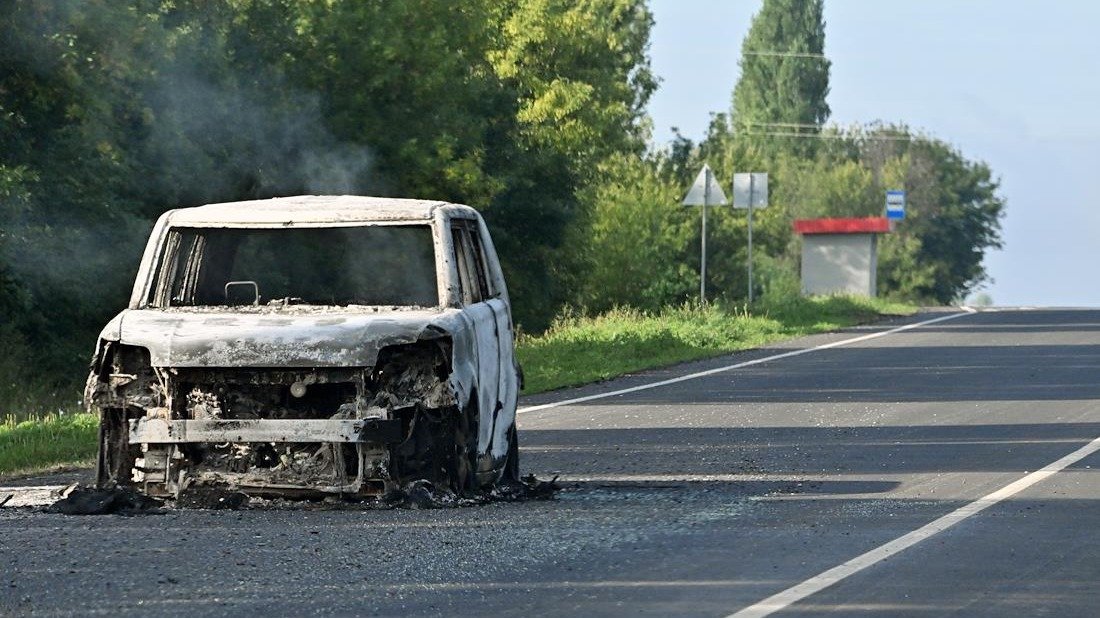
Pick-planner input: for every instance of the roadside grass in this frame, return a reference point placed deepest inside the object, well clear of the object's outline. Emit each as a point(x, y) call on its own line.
point(576, 350)
point(39, 444)
point(581, 350)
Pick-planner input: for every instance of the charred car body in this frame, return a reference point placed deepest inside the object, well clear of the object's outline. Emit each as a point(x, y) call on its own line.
point(310, 346)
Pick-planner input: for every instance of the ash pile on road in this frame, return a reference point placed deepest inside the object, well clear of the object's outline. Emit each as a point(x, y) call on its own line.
point(78, 500)
point(528, 488)
point(421, 494)
point(424, 495)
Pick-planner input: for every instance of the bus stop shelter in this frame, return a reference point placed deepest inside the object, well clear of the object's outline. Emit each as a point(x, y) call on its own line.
point(840, 256)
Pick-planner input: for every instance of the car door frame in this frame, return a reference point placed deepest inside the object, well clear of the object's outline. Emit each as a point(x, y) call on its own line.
point(480, 319)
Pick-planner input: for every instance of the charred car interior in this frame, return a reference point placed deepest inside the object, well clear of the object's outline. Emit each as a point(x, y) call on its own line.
point(310, 346)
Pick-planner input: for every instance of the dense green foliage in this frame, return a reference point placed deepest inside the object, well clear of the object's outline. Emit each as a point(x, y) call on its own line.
point(533, 111)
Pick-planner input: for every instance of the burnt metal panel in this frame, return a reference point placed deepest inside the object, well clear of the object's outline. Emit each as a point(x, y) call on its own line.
point(159, 431)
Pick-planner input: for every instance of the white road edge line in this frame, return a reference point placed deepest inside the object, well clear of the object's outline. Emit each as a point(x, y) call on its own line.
point(818, 583)
point(710, 372)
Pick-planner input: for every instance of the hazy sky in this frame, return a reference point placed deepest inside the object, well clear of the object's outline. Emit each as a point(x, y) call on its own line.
point(1013, 83)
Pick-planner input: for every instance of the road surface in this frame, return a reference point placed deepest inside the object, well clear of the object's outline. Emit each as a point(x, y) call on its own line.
point(947, 467)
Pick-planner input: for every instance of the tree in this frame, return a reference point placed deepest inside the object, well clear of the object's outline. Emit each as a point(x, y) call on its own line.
point(784, 76)
point(70, 115)
point(579, 75)
point(958, 221)
point(636, 248)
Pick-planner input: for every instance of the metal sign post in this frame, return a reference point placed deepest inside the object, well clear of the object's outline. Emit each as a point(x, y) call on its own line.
point(705, 191)
point(750, 191)
point(703, 243)
point(750, 237)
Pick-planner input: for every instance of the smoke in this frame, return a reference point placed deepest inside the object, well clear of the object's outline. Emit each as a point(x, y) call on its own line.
point(339, 169)
point(123, 122)
point(218, 140)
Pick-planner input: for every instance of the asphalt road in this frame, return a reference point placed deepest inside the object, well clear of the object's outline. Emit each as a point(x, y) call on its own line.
point(700, 497)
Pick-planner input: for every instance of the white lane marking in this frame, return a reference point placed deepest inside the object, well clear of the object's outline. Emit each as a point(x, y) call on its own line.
point(681, 478)
point(818, 583)
point(18, 488)
point(710, 372)
point(35, 495)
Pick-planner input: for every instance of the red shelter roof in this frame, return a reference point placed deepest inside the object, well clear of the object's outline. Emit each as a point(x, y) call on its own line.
point(861, 225)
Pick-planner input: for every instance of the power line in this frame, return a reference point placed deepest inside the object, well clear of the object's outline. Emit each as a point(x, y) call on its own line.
point(794, 125)
point(880, 138)
point(781, 54)
point(815, 127)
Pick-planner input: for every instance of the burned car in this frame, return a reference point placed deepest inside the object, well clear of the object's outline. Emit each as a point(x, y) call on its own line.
point(306, 346)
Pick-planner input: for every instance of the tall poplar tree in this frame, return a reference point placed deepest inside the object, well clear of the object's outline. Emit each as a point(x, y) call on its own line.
point(784, 74)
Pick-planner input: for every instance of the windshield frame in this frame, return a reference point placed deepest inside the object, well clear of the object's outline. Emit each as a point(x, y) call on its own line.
point(156, 258)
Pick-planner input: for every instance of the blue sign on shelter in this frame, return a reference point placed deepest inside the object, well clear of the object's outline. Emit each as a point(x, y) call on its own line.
point(895, 205)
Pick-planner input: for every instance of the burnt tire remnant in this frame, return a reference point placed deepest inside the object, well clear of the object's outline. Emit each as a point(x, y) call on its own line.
point(115, 458)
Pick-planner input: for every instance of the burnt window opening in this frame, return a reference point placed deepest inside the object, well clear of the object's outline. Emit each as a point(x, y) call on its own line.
point(470, 261)
point(364, 265)
point(481, 262)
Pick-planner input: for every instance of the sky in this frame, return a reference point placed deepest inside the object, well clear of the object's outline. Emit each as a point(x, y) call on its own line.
point(1013, 83)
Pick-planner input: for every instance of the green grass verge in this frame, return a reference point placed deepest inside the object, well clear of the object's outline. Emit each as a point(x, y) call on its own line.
point(574, 351)
point(35, 445)
point(581, 350)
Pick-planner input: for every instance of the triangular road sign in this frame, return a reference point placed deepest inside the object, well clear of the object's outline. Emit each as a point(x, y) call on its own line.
point(705, 189)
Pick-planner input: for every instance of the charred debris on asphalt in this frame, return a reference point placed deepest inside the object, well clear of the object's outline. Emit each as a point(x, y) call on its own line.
point(420, 494)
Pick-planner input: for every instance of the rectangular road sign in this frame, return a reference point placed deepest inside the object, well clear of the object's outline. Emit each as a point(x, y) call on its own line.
point(895, 204)
point(750, 189)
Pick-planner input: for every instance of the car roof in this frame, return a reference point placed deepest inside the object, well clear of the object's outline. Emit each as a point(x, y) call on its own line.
point(311, 209)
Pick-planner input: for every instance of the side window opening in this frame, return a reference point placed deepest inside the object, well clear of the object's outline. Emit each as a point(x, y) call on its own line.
point(191, 262)
point(462, 266)
point(165, 272)
point(488, 290)
point(470, 266)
